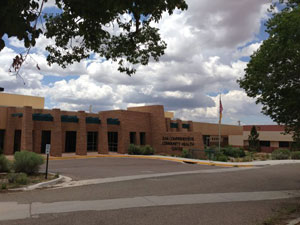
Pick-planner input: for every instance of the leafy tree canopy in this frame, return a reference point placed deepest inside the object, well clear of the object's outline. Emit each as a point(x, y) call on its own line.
point(120, 30)
point(273, 73)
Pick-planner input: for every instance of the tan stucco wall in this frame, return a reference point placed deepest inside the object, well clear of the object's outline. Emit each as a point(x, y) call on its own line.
point(21, 101)
point(235, 140)
point(270, 136)
point(169, 115)
point(213, 129)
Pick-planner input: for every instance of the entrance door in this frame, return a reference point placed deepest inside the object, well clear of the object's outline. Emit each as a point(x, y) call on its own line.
point(70, 145)
point(112, 141)
point(17, 141)
point(46, 139)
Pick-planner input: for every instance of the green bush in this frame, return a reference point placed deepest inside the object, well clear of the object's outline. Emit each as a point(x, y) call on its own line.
point(3, 186)
point(186, 154)
point(295, 155)
point(147, 150)
point(219, 156)
point(27, 162)
point(1, 151)
point(133, 149)
point(233, 152)
point(22, 179)
point(140, 150)
point(280, 154)
point(18, 178)
point(11, 177)
point(4, 164)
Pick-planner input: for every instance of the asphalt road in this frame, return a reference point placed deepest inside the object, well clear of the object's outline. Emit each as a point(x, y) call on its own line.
point(80, 169)
point(232, 182)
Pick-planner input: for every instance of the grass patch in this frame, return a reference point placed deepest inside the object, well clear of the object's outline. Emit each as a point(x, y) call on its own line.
point(287, 213)
point(17, 180)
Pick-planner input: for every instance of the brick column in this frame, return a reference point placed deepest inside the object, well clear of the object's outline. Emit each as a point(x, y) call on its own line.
point(102, 135)
point(27, 127)
point(179, 122)
point(9, 132)
point(123, 137)
point(168, 124)
point(191, 129)
point(37, 141)
point(56, 134)
point(81, 137)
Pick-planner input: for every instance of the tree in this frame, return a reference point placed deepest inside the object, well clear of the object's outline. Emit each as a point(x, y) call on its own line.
point(253, 139)
point(120, 30)
point(273, 72)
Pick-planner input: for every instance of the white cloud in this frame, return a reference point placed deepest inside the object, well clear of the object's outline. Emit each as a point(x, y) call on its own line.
point(202, 59)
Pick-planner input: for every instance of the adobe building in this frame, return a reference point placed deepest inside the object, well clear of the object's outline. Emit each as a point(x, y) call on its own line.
point(271, 137)
point(26, 125)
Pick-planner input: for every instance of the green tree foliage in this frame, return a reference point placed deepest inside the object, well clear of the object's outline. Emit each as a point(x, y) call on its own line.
point(273, 73)
point(120, 30)
point(253, 139)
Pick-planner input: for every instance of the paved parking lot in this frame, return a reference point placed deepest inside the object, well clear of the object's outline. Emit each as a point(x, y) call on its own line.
point(114, 167)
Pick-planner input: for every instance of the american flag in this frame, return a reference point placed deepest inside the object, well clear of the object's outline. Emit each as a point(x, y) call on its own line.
point(221, 110)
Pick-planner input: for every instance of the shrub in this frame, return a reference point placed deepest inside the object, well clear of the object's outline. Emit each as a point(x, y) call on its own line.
point(27, 162)
point(147, 150)
point(133, 149)
point(186, 153)
point(233, 152)
point(209, 153)
point(140, 150)
point(22, 179)
point(18, 178)
point(295, 155)
point(219, 156)
point(11, 177)
point(4, 164)
point(1, 151)
point(281, 154)
point(3, 186)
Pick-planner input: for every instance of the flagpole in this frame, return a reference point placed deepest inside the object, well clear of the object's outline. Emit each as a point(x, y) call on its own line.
point(220, 123)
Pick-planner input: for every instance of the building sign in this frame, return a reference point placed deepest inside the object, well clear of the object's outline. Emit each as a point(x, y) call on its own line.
point(178, 143)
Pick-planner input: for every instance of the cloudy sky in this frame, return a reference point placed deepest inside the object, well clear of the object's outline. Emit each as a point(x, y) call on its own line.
point(208, 49)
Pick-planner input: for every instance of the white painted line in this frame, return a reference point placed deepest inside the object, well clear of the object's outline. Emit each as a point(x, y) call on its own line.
point(144, 176)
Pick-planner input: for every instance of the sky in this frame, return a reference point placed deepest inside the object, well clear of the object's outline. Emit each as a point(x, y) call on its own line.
point(209, 46)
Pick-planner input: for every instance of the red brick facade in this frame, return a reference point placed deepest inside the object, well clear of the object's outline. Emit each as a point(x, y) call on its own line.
point(108, 130)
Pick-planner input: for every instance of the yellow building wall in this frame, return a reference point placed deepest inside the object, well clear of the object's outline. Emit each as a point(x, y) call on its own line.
point(213, 129)
point(15, 100)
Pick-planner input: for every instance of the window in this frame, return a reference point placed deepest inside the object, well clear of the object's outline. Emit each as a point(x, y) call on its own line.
point(132, 137)
point(2, 134)
point(92, 141)
point(284, 144)
point(265, 143)
point(17, 141)
point(142, 138)
point(112, 141)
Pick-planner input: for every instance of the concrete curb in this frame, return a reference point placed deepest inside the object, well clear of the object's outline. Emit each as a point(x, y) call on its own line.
point(185, 160)
point(294, 222)
point(43, 184)
point(173, 159)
